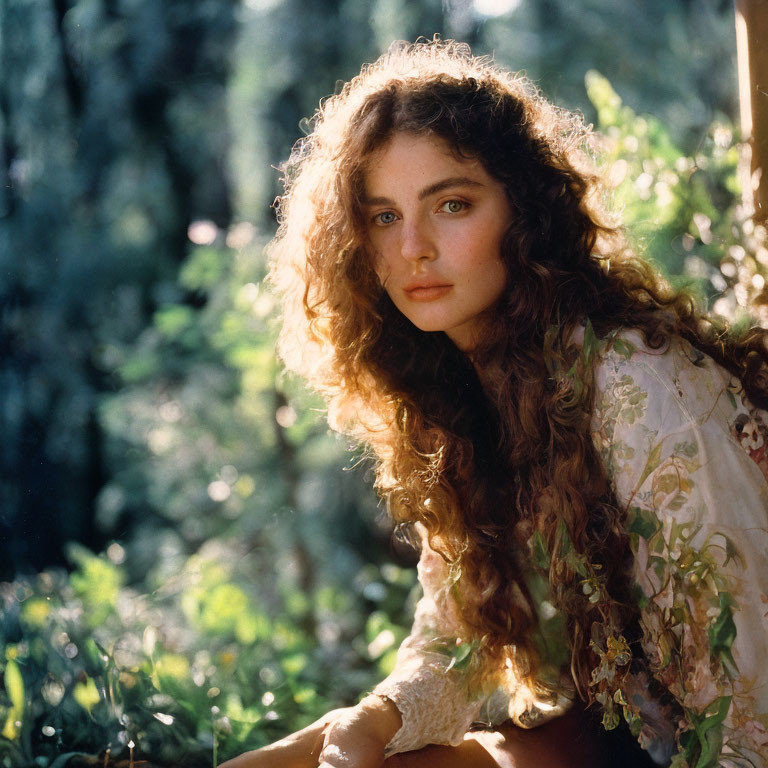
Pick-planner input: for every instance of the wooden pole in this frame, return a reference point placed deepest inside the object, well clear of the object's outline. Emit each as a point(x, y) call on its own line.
point(752, 53)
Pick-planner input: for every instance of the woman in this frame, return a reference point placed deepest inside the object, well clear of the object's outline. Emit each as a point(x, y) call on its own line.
point(579, 450)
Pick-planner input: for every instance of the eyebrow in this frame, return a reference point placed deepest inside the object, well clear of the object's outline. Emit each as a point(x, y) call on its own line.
point(432, 189)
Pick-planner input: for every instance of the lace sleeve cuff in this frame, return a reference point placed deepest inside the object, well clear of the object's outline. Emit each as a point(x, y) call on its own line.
point(433, 709)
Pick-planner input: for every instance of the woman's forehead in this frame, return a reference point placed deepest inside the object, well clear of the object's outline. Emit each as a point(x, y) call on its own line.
point(406, 156)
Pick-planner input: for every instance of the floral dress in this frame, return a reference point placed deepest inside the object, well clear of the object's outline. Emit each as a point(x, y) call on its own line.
point(687, 456)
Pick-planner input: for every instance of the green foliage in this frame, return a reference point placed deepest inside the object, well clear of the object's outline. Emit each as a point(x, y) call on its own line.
point(96, 583)
point(684, 213)
point(202, 664)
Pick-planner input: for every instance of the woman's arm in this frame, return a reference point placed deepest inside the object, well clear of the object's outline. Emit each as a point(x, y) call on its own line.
point(297, 750)
point(354, 736)
point(429, 689)
point(425, 700)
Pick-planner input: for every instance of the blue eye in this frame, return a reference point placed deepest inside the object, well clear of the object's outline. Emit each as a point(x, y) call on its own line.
point(387, 217)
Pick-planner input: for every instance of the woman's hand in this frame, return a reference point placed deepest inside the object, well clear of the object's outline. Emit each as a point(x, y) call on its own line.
point(354, 737)
point(298, 750)
point(358, 736)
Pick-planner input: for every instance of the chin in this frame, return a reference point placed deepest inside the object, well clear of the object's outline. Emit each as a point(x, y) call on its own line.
point(428, 327)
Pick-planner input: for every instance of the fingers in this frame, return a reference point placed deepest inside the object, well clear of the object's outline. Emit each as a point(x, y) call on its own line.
point(333, 757)
point(348, 746)
point(343, 738)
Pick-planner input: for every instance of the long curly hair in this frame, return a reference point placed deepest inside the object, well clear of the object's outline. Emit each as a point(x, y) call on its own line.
point(489, 452)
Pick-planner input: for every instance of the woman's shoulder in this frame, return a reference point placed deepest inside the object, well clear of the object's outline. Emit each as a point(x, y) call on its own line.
point(672, 404)
point(629, 349)
point(672, 377)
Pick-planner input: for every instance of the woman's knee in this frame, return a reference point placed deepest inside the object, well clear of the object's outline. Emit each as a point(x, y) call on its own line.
point(564, 743)
point(470, 754)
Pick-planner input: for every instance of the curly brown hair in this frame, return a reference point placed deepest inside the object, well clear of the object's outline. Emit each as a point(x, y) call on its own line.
point(488, 451)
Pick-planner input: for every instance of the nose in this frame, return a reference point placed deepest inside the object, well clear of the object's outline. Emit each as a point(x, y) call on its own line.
point(416, 242)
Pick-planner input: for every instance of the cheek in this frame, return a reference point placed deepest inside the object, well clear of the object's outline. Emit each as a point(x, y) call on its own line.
point(497, 279)
point(485, 250)
point(374, 256)
point(383, 271)
point(490, 268)
point(380, 267)
point(383, 263)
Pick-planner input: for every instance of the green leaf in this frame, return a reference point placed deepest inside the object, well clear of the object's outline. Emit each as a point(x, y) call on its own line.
point(62, 760)
point(563, 540)
point(634, 721)
point(638, 596)
point(643, 522)
point(659, 565)
point(204, 269)
point(96, 582)
point(606, 100)
point(709, 730)
point(460, 655)
point(566, 552)
point(654, 459)
point(172, 319)
point(623, 348)
point(86, 694)
point(14, 685)
point(591, 342)
point(723, 632)
point(540, 552)
point(294, 665)
point(610, 719)
point(728, 662)
point(731, 552)
point(686, 448)
point(93, 657)
point(689, 742)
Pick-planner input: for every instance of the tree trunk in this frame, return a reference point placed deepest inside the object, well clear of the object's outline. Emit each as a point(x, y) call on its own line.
point(752, 51)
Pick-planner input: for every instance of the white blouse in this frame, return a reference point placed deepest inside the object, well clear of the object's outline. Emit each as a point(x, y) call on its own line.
point(687, 456)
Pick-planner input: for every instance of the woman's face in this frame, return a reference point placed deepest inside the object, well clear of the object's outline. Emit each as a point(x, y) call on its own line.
point(435, 223)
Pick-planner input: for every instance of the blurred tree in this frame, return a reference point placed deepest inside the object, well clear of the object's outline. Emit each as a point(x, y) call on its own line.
point(111, 142)
point(675, 60)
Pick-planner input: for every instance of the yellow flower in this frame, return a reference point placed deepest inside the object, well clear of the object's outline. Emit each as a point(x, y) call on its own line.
point(618, 651)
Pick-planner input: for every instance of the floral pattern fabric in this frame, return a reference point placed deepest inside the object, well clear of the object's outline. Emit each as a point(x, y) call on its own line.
point(687, 455)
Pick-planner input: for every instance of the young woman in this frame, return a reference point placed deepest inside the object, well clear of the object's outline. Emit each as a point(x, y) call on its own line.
point(580, 452)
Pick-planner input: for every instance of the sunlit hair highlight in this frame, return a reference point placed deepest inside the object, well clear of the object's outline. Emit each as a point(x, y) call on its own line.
point(484, 461)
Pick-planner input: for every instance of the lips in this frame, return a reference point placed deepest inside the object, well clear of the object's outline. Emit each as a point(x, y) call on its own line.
point(426, 291)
